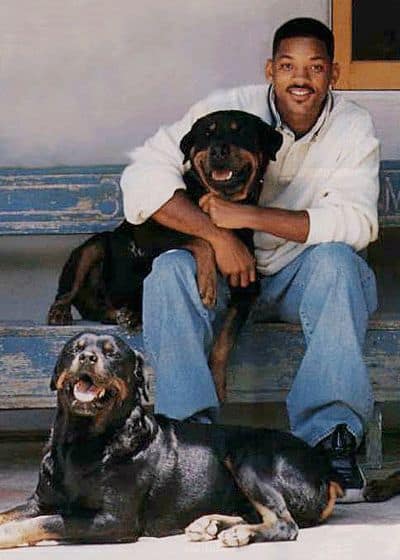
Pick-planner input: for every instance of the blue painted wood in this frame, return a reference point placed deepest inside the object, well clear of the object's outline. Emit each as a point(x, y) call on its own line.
point(389, 199)
point(88, 199)
point(60, 200)
point(262, 366)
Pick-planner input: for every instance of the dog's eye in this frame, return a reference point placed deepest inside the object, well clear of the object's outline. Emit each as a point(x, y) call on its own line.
point(108, 351)
point(234, 126)
point(212, 127)
point(80, 345)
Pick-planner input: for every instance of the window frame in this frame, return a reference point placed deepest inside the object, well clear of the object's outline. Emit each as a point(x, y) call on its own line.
point(358, 75)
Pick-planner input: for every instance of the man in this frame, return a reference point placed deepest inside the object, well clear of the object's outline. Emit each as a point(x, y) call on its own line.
point(318, 209)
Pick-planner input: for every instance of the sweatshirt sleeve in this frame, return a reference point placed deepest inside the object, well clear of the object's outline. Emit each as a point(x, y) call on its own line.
point(346, 210)
point(156, 169)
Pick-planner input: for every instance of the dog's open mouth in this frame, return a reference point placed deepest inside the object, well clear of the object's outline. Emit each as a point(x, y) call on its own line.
point(85, 391)
point(227, 178)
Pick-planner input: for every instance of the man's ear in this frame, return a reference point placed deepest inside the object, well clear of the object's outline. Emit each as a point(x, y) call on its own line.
point(186, 145)
point(335, 73)
point(271, 140)
point(269, 70)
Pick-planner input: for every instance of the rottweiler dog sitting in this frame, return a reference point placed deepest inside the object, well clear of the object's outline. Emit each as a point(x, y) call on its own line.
point(113, 472)
point(228, 152)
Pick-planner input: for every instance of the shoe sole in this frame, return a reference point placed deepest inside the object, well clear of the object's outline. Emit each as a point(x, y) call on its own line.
point(354, 495)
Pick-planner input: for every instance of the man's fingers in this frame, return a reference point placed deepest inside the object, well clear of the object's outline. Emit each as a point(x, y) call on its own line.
point(204, 202)
point(234, 280)
point(253, 273)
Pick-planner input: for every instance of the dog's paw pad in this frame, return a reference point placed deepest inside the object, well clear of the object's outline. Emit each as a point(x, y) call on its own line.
point(59, 315)
point(128, 319)
point(235, 536)
point(203, 529)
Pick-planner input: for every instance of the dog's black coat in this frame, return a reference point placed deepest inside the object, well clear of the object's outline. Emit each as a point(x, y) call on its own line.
point(114, 472)
point(103, 278)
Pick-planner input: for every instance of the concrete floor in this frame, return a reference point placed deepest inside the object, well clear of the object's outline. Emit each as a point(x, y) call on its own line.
point(359, 531)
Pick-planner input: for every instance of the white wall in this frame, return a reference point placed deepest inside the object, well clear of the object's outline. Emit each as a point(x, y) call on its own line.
point(83, 81)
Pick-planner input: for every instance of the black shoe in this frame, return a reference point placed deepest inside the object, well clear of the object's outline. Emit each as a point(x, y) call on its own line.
point(341, 448)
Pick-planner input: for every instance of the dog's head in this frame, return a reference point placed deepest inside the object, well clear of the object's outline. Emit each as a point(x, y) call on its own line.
point(98, 376)
point(229, 152)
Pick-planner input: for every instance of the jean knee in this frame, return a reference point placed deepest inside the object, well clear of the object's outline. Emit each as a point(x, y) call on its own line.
point(329, 259)
point(172, 264)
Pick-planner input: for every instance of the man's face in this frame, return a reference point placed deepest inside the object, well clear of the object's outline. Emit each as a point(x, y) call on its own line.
point(301, 73)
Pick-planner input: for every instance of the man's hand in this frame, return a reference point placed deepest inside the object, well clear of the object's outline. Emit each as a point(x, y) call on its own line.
point(223, 213)
point(234, 260)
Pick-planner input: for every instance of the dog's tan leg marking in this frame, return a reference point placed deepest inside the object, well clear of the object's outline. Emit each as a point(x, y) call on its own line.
point(272, 528)
point(207, 527)
point(31, 531)
point(206, 270)
point(220, 351)
point(334, 491)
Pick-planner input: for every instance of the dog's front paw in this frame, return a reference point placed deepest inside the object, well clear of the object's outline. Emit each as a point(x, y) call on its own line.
point(207, 285)
point(128, 320)
point(203, 529)
point(236, 536)
point(59, 314)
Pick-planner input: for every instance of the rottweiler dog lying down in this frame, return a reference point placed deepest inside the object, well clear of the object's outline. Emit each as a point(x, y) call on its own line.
point(114, 472)
point(384, 489)
point(228, 152)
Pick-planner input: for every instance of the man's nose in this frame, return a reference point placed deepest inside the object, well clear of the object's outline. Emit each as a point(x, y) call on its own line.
point(301, 73)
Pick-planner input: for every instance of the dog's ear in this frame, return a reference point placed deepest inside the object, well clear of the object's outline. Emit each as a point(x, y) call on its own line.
point(56, 373)
point(271, 140)
point(186, 145)
point(61, 363)
point(140, 377)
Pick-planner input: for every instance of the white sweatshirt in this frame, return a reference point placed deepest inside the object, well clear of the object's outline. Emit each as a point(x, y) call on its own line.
point(332, 173)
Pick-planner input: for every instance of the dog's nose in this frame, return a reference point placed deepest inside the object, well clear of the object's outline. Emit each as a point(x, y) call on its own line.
point(88, 357)
point(219, 151)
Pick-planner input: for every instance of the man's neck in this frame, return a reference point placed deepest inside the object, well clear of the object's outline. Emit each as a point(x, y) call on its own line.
point(299, 124)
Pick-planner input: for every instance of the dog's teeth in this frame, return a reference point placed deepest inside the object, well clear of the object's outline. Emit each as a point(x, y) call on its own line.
point(101, 393)
point(223, 175)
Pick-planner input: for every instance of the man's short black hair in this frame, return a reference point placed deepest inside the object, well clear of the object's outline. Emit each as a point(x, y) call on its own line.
point(305, 27)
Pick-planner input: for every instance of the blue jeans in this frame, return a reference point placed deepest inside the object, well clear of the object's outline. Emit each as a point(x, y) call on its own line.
point(328, 288)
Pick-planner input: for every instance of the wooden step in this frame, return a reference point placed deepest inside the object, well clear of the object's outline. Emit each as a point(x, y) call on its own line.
point(261, 370)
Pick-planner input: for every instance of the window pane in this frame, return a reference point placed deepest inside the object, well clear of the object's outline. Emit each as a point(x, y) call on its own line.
point(376, 30)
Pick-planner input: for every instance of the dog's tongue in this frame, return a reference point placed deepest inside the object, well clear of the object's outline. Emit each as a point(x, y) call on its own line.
point(85, 391)
point(221, 174)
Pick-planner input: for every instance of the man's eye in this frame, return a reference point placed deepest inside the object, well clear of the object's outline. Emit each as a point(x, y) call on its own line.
point(317, 68)
point(286, 66)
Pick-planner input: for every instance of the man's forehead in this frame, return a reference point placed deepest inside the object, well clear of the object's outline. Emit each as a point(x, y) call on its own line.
point(309, 47)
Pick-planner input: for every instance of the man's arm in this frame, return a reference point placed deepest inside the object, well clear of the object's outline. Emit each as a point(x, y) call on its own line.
point(232, 256)
point(292, 225)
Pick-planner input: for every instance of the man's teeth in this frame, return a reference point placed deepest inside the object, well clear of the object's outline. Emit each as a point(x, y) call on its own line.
point(300, 92)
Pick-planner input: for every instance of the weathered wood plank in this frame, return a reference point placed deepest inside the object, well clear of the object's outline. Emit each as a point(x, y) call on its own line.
point(389, 198)
point(63, 200)
point(261, 370)
point(88, 199)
